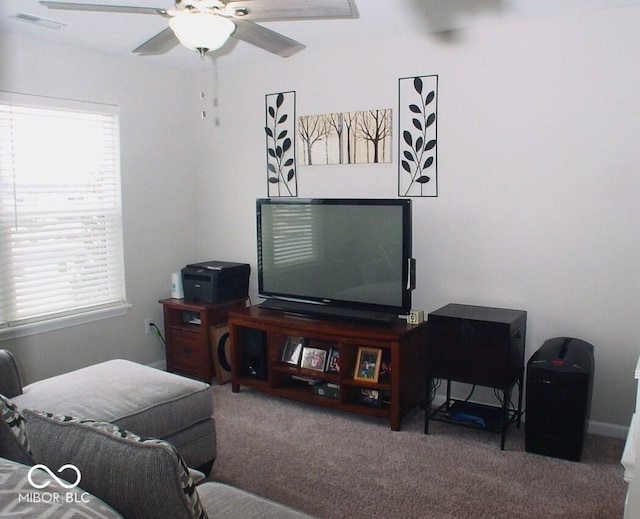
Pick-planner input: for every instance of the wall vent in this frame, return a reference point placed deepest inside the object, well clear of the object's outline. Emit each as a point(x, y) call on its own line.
point(38, 20)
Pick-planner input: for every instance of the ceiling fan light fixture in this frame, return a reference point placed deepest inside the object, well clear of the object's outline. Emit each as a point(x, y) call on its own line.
point(201, 30)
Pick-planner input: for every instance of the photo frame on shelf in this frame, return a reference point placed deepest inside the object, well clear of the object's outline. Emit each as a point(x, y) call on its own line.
point(313, 358)
point(368, 364)
point(292, 350)
point(385, 365)
point(333, 364)
point(370, 397)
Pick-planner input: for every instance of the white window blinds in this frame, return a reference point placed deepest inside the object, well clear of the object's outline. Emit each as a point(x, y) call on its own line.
point(60, 209)
point(293, 235)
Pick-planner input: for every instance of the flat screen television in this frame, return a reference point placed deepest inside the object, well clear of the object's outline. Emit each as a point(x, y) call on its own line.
point(341, 258)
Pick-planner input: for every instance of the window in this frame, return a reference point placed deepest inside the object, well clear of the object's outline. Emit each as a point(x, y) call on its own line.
point(60, 210)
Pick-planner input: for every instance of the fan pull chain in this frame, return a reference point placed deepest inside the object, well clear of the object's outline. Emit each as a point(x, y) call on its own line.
point(203, 89)
point(203, 112)
point(215, 92)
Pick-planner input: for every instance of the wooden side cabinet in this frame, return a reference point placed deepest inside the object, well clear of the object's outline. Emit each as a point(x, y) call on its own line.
point(187, 328)
point(258, 339)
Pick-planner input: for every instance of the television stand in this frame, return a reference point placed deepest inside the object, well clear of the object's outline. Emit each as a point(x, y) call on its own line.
point(258, 338)
point(328, 312)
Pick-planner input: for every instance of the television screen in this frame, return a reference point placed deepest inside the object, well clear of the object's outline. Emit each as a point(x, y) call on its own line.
point(343, 254)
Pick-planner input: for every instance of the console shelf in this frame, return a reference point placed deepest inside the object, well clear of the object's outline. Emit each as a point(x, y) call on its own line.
point(258, 337)
point(477, 416)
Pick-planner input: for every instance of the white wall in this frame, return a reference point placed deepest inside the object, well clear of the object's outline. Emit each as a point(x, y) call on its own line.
point(539, 200)
point(538, 163)
point(159, 122)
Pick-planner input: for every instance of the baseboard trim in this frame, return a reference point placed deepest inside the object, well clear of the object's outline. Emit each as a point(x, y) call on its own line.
point(607, 429)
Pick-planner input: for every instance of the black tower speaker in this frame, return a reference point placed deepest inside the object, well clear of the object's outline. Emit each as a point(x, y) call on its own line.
point(254, 353)
point(558, 401)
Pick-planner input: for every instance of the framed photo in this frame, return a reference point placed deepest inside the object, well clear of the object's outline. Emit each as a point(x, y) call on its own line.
point(313, 358)
point(333, 364)
point(292, 350)
point(370, 397)
point(385, 365)
point(368, 364)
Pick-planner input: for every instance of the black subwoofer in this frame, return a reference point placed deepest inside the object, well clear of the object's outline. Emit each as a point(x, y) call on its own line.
point(476, 344)
point(253, 353)
point(558, 397)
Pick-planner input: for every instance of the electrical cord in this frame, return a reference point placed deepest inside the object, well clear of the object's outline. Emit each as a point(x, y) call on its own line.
point(510, 405)
point(473, 388)
point(431, 392)
point(159, 334)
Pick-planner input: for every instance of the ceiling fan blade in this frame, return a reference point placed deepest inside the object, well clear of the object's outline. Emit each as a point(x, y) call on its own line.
point(265, 10)
point(162, 42)
point(76, 6)
point(266, 39)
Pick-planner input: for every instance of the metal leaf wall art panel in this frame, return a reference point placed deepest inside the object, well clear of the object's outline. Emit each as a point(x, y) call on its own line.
point(281, 150)
point(417, 140)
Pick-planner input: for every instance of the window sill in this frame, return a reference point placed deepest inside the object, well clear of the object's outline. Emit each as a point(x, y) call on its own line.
point(63, 322)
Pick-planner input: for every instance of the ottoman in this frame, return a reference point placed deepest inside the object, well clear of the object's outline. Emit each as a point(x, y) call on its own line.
point(138, 398)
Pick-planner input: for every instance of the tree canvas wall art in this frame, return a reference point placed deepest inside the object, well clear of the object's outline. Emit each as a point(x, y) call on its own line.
point(362, 137)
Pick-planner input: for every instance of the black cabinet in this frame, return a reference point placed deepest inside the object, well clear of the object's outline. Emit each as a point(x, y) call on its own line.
point(477, 345)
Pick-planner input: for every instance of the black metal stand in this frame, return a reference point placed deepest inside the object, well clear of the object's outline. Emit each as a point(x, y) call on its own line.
point(475, 415)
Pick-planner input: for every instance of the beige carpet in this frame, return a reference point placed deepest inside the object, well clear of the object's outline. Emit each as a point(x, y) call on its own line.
point(337, 465)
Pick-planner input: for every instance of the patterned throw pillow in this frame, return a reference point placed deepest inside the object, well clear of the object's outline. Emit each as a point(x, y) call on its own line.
point(99, 449)
point(15, 422)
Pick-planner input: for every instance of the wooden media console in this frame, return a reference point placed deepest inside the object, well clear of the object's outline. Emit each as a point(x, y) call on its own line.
point(264, 358)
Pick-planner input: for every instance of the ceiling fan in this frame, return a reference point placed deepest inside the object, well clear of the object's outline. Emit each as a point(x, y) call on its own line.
point(205, 25)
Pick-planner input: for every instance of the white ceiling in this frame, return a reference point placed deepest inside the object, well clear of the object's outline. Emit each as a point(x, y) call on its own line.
point(374, 20)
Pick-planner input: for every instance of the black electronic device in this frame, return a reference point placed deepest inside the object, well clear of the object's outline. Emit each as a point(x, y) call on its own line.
point(558, 401)
point(477, 344)
point(253, 355)
point(343, 258)
point(215, 282)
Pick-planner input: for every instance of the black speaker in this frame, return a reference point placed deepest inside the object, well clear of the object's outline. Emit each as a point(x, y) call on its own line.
point(558, 398)
point(221, 352)
point(253, 353)
point(476, 344)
